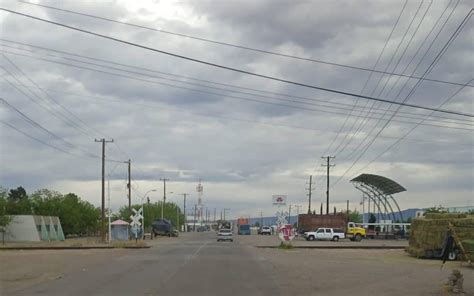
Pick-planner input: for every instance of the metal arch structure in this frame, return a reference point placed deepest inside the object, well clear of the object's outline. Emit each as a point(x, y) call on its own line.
point(380, 190)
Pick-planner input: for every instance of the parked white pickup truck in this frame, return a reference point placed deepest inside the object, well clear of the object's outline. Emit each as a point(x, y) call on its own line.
point(333, 234)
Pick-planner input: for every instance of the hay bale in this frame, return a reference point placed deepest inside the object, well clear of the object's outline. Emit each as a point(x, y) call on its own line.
point(446, 215)
point(427, 234)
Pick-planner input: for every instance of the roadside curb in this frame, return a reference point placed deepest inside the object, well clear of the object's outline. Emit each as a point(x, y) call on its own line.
point(73, 248)
point(339, 247)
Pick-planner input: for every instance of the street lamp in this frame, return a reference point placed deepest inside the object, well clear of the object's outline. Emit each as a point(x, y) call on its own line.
point(143, 213)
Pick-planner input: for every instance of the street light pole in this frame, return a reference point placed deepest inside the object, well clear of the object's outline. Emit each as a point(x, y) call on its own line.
point(143, 213)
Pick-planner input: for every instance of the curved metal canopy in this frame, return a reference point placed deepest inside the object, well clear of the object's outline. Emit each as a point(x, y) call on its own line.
point(385, 185)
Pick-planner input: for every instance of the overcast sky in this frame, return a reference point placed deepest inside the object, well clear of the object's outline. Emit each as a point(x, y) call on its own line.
point(246, 143)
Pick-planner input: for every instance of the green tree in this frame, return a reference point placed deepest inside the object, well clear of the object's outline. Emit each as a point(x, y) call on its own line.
point(355, 216)
point(152, 212)
point(18, 202)
point(77, 216)
point(4, 217)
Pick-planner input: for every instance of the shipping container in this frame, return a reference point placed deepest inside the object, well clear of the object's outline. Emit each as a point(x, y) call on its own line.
point(311, 222)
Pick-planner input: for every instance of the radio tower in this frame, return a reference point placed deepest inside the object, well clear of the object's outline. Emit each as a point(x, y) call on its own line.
point(199, 190)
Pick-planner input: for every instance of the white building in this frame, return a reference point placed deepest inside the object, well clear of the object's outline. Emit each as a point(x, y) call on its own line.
point(34, 228)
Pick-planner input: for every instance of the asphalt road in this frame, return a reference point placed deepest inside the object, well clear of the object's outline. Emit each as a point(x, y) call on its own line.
point(192, 265)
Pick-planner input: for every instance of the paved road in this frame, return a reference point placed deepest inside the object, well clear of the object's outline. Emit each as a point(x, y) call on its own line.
point(192, 265)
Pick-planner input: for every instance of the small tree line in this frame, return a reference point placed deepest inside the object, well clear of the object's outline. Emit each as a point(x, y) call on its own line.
point(77, 216)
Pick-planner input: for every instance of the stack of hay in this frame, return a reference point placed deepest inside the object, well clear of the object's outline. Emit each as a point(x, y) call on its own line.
point(427, 234)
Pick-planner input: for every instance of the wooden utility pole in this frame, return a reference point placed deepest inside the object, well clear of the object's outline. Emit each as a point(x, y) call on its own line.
point(164, 195)
point(102, 214)
point(194, 222)
point(328, 165)
point(185, 214)
point(129, 185)
point(310, 190)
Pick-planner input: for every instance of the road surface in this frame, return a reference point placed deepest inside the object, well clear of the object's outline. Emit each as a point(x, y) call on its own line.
point(195, 264)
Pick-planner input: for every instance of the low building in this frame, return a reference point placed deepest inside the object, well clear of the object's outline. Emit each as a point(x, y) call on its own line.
point(120, 230)
point(34, 228)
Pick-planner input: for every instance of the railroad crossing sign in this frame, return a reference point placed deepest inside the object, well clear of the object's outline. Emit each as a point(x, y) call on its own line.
point(136, 224)
point(285, 231)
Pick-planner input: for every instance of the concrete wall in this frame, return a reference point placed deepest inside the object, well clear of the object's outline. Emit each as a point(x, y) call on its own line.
point(34, 228)
point(22, 228)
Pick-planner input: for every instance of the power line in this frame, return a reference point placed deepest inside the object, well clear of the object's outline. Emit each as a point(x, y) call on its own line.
point(231, 68)
point(238, 46)
point(36, 139)
point(66, 119)
point(363, 122)
point(370, 75)
point(427, 71)
point(410, 131)
point(220, 95)
point(324, 104)
point(232, 118)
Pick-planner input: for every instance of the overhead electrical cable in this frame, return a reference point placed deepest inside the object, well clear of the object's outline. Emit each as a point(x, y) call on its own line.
point(230, 68)
point(415, 87)
point(409, 132)
point(368, 78)
point(66, 119)
point(427, 71)
point(363, 122)
point(220, 95)
point(324, 103)
point(233, 45)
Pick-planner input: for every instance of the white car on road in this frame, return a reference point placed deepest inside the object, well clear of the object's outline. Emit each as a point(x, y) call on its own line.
point(224, 235)
point(333, 234)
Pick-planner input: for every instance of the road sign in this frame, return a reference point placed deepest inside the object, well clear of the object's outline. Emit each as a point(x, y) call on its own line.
point(286, 233)
point(135, 224)
point(279, 200)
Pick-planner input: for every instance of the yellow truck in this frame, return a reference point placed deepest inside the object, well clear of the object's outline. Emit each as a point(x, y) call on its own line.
point(354, 232)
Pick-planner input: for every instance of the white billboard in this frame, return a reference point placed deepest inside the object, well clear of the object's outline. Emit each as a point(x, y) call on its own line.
point(279, 200)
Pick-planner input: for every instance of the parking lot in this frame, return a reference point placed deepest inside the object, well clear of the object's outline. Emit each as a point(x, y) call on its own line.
point(196, 264)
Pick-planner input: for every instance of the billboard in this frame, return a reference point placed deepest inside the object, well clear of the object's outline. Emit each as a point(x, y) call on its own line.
point(279, 200)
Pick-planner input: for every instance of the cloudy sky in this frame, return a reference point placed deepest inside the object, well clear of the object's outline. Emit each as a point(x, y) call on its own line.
point(246, 137)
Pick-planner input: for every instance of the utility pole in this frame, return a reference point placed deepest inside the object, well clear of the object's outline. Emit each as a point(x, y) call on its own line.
point(194, 221)
point(328, 165)
point(214, 215)
point(310, 190)
point(347, 210)
point(102, 229)
point(225, 211)
point(164, 195)
point(185, 214)
point(129, 185)
point(261, 219)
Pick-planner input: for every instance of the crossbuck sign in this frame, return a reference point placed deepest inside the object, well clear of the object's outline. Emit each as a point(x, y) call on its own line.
point(138, 215)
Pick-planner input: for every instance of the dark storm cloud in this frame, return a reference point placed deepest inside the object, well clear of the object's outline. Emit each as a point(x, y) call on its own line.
point(168, 138)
